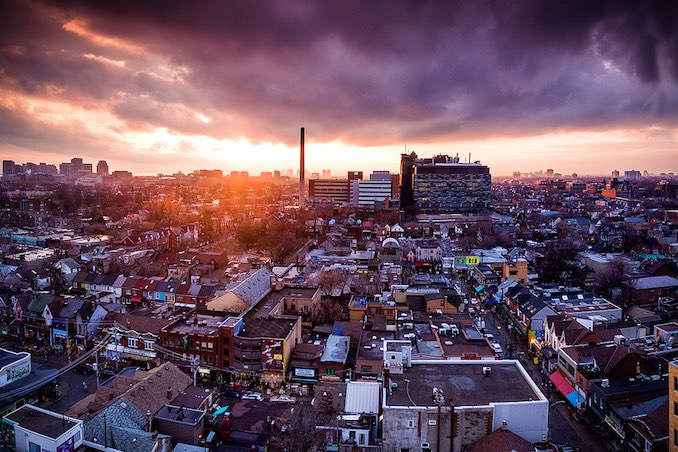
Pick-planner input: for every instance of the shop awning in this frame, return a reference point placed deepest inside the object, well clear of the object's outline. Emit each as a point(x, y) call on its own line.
point(135, 299)
point(138, 357)
point(566, 389)
point(479, 288)
point(303, 381)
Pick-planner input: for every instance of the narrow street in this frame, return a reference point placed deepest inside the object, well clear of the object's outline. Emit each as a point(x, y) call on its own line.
point(563, 428)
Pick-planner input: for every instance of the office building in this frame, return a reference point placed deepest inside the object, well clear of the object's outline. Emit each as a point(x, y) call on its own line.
point(364, 193)
point(334, 189)
point(102, 168)
point(443, 184)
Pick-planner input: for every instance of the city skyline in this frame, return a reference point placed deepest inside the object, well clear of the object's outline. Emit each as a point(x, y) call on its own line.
point(583, 88)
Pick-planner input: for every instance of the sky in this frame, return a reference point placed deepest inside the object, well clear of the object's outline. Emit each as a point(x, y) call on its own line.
point(583, 86)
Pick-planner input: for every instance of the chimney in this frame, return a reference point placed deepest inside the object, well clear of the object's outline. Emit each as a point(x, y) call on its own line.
point(302, 170)
point(169, 393)
point(504, 426)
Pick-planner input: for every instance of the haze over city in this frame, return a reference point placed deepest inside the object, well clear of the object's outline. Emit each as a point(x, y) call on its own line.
point(583, 87)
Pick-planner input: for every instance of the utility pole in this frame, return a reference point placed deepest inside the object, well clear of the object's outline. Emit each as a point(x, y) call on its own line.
point(96, 363)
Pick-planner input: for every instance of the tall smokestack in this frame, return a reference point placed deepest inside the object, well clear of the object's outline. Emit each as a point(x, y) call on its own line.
point(302, 171)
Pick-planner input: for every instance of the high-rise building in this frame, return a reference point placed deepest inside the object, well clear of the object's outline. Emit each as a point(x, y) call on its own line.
point(632, 175)
point(102, 168)
point(66, 169)
point(549, 173)
point(407, 180)
point(7, 168)
point(443, 184)
point(615, 174)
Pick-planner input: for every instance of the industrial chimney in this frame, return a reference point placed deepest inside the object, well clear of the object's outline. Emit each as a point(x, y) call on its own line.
point(302, 171)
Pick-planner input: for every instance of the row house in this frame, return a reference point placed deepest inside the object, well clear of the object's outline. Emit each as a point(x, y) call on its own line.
point(135, 338)
point(137, 290)
point(69, 324)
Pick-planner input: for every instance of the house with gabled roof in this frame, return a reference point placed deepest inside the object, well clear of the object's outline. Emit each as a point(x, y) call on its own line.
point(246, 293)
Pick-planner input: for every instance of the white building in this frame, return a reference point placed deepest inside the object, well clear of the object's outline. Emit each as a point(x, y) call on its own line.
point(447, 405)
point(38, 430)
point(13, 366)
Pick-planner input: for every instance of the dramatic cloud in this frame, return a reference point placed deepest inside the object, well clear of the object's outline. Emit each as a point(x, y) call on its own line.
point(361, 73)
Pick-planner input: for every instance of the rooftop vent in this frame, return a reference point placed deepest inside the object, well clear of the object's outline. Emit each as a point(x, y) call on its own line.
point(487, 371)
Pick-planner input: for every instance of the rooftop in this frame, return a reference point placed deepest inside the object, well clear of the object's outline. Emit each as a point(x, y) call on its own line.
point(272, 327)
point(8, 357)
point(50, 425)
point(179, 414)
point(197, 324)
point(463, 385)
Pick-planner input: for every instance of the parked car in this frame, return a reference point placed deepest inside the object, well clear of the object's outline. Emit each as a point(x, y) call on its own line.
point(489, 337)
point(106, 373)
point(253, 396)
point(283, 399)
point(496, 347)
point(84, 368)
point(230, 394)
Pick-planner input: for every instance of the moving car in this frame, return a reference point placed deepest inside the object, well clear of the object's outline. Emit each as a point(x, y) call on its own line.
point(496, 347)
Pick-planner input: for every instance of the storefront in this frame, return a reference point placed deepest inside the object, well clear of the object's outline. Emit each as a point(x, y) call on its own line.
point(59, 338)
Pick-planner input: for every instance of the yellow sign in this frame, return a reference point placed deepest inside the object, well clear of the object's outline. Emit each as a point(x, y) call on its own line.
point(278, 357)
point(472, 260)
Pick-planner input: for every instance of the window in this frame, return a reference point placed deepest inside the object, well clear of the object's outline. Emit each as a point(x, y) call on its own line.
point(675, 437)
point(76, 439)
point(210, 346)
point(305, 309)
point(675, 383)
point(149, 345)
point(164, 341)
point(366, 369)
point(131, 342)
point(675, 408)
point(330, 372)
point(226, 341)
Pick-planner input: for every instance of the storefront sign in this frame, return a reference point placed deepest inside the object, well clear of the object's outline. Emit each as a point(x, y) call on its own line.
point(308, 373)
point(472, 260)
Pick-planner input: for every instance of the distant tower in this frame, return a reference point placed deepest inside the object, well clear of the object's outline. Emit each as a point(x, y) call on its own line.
point(302, 171)
point(102, 168)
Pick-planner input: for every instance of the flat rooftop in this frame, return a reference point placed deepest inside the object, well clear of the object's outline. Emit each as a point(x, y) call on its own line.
point(179, 414)
point(276, 328)
point(462, 383)
point(198, 324)
point(372, 344)
point(8, 357)
point(39, 422)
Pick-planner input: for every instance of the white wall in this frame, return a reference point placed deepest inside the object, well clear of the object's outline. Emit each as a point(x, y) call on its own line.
point(529, 420)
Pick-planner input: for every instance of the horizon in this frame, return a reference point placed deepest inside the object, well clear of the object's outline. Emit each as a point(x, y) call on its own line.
point(523, 87)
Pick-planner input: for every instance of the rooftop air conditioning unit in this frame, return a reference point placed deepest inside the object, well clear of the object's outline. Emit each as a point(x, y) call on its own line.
point(487, 371)
point(605, 383)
